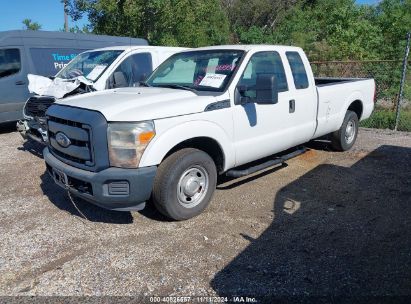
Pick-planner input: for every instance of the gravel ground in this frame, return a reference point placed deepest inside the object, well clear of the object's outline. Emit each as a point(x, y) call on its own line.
point(327, 223)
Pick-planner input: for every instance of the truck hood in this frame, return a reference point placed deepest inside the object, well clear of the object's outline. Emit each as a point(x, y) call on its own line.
point(142, 103)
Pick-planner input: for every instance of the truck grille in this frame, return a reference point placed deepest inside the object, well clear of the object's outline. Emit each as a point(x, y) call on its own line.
point(79, 149)
point(37, 106)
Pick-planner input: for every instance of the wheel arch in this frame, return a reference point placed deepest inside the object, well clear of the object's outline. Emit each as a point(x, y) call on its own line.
point(355, 103)
point(357, 107)
point(203, 135)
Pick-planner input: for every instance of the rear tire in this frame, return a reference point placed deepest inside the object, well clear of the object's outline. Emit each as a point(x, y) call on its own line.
point(344, 138)
point(184, 184)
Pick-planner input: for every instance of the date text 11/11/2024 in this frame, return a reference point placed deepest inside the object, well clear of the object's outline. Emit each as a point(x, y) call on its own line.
point(203, 299)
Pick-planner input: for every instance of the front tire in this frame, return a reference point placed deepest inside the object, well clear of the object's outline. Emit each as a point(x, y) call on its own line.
point(184, 184)
point(344, 138)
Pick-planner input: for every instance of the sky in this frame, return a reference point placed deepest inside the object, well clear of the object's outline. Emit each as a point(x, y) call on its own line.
point(49, 13)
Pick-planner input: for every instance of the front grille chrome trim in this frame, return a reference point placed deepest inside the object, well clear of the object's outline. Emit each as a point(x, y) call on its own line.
point(80, 150)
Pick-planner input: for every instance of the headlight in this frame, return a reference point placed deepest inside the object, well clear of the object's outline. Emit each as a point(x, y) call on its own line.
point(127, 142)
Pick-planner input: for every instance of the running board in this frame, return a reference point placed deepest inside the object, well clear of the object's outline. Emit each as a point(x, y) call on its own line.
point(279, 160)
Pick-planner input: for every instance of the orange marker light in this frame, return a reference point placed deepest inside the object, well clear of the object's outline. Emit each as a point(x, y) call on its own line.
point(144, 138)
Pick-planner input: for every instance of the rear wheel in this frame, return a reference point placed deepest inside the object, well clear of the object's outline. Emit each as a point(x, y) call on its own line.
point(344, 138)
point(184, 184)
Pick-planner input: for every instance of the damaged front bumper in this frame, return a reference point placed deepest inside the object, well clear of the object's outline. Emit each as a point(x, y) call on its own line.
point(29, 129)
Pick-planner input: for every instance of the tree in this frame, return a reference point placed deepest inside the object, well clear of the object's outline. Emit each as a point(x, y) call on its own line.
point(76, 29)
point(30, 25)
point(165, 22)
point(393, 17)
point(329, 30)
point(254, 20)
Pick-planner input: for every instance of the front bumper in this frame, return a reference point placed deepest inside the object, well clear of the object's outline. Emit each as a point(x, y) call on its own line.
point(30, 130)
point(108, 188)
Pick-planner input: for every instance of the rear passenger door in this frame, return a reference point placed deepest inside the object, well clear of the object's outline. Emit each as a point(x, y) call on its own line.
point(262, 130)
point(303, 105)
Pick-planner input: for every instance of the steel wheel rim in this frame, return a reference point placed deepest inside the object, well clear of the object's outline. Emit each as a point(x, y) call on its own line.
point(350, 132)
point(192, 186)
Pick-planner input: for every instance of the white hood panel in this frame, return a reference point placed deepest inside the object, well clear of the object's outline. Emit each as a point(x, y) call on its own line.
point(142, 103)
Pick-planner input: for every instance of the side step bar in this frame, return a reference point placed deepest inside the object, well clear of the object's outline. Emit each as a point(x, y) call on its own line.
point(279, 160)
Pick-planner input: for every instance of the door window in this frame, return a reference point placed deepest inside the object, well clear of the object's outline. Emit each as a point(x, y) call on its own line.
point(134, 69)
point(298, 70)
point(262, 63)
point(10, 62)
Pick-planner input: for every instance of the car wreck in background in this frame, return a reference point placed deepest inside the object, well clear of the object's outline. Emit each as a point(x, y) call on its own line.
point(95, 70)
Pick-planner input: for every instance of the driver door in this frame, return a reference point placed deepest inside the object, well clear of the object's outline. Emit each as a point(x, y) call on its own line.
point(262, 129)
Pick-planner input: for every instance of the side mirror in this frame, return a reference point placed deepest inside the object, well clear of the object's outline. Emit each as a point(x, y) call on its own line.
point(266, 89)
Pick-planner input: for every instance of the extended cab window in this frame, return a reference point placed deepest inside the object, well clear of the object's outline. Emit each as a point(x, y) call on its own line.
point(298, 70)
point(10, 62)
point(132, 70)
point(268, 63)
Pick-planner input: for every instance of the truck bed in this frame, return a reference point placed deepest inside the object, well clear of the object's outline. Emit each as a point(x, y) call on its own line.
point(334, 97)
point(327, 81)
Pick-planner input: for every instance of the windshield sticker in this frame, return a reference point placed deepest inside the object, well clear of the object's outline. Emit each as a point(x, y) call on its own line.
point(98, 69)
point(221, 67)
point(213, 80)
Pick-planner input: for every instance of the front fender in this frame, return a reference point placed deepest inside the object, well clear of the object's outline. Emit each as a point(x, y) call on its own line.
point(164, 142)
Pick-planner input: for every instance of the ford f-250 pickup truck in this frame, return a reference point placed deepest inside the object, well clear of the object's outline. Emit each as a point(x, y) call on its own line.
point(201, 113)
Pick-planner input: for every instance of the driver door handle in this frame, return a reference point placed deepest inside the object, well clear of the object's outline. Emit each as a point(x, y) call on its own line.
point(20, 82)
point(292, 106)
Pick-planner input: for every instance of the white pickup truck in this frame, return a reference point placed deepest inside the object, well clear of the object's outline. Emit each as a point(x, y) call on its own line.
point(100, 69)
point(202, 112)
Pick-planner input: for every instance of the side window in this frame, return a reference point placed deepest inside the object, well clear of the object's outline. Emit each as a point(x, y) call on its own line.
point(133, 70)
point(10, 62)
point(298, 70)
point(142, 66)
point(50, 61)
point(263, 63)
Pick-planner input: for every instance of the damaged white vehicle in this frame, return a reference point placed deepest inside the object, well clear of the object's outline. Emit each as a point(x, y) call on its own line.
point(95, 70)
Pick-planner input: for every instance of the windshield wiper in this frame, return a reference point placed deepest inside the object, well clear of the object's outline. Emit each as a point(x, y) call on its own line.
point(143, 84)
point(177, 86)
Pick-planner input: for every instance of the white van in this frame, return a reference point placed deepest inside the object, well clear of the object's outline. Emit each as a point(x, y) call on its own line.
point(101, 69)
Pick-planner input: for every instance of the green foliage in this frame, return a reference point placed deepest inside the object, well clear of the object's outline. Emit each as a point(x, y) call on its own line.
point(163, 22)
point(380, 119)
point(76, 29)
point(331, 30)
point(326, 29)
point(31, 25)
point(385, 119)
point(393, 17)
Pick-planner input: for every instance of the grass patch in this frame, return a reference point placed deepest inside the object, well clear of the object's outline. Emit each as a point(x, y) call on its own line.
point(385, 119)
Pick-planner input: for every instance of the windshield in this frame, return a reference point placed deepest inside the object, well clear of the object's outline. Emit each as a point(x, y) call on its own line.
point(90, 64)
point(209, 70)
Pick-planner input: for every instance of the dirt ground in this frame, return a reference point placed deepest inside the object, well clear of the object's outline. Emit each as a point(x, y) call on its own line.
point(326, 224)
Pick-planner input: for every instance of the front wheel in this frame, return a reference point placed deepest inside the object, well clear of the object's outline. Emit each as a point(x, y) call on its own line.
point(184, 184)
point(344, 138)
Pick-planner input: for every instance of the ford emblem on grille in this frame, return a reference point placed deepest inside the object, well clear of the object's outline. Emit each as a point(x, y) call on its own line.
point(63, 140)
